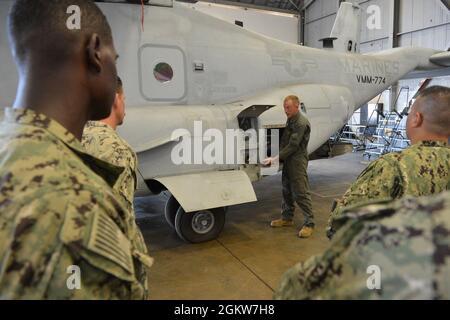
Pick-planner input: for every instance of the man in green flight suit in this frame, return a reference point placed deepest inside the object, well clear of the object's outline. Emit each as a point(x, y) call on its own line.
point(294, 155)
point(422, 169)
point(63, 233)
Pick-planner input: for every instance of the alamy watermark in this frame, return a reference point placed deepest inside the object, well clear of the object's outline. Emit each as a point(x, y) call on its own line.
point(373, 20)
point(374, 17)
point(232, 146)
point(73, 281)
point(74, 20)
point(374, 280)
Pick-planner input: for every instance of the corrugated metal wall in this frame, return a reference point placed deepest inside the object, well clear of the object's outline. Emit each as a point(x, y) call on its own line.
point(376, 39)
point(319, 19)
point(423, 23)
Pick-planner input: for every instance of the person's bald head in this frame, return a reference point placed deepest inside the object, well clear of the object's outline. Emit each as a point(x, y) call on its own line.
point(429, 117)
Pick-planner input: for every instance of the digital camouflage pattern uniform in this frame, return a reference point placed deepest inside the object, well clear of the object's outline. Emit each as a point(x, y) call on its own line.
point(422, 169)
point(407, 240)
point(56, 212)
point(102, 141)
point(294, 155)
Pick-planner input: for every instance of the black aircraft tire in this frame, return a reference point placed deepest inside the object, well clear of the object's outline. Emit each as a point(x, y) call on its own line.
point(170, 210)
point(199, 226)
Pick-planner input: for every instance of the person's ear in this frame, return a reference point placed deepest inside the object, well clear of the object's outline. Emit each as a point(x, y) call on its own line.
point(93, 53)
point(417, 119)
point(116, 101)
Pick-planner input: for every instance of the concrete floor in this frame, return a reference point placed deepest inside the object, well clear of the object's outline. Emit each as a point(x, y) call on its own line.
point(249, 258)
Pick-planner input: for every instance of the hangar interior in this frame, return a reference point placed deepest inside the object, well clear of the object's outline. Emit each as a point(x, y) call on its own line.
point(249, 258)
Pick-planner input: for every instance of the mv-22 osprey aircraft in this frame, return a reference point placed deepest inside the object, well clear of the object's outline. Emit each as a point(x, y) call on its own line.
point(183, 67)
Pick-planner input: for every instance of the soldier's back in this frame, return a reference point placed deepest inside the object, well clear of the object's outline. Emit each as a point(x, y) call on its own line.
point(56, 213)
point(422, 169)
point(398, 250)
point(104, 143)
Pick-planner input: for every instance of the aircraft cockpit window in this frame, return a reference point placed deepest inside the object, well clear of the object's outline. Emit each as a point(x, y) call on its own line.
point(163, 72)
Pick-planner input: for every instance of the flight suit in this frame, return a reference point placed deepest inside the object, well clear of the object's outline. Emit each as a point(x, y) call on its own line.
point(61, 220)
point(294, 155)
point(422, 169)
point(103, 142)
point(385, 250)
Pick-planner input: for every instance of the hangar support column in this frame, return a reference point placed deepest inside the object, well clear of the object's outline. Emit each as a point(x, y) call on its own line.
point(394, 25)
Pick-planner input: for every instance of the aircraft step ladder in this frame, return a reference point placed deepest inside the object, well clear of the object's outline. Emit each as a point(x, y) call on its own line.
point(351, 133)
point(384, 134)
point(390, 134)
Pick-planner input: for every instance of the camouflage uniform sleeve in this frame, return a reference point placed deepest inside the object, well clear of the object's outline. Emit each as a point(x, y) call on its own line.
point(293, 283)
point(107, 145)
point(381, 180)
point(33, 249)
point(340, 272)
point(111, 266)
point(407, 241)
point(51, 236)
point(317, 277)
point(294, 142)
point(127, 183)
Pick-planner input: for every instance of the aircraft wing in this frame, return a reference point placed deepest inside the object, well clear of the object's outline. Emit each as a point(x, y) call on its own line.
point(441, 59)
point(439, 67)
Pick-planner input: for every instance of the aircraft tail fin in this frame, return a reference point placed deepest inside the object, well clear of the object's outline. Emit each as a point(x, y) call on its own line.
point(346, 33)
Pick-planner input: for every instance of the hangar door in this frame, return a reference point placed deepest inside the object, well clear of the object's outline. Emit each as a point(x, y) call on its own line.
point(162, 73)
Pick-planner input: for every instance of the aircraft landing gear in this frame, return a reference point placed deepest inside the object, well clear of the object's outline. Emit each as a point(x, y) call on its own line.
point(199, 226)
point(170, 211)
point(194, 227)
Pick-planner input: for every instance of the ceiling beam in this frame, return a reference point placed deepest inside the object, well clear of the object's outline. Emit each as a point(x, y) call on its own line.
point(307, 4)
point(446, 3)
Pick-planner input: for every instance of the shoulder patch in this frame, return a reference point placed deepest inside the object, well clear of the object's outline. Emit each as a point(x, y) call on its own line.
point(97, 238)
point(106, 239)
